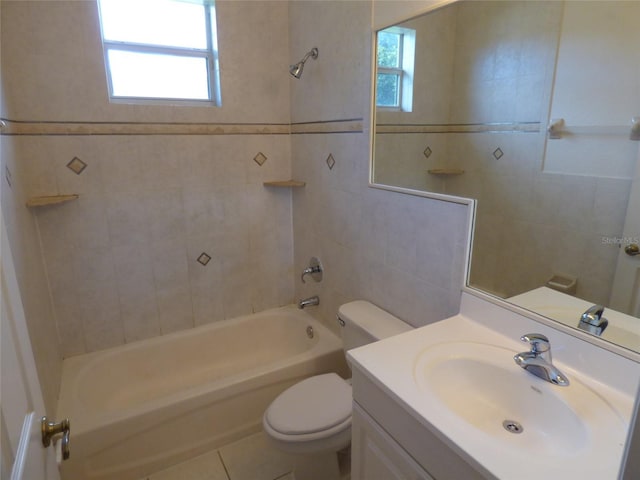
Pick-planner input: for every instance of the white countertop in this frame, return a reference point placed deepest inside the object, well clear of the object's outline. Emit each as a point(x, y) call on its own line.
point(391, 364)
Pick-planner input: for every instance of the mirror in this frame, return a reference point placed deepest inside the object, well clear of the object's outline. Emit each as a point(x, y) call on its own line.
point(533, 109)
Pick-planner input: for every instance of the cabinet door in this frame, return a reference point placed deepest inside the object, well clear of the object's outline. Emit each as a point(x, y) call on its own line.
point(377, 456)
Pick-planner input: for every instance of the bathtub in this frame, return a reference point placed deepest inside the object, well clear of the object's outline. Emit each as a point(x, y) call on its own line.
point(141, 407)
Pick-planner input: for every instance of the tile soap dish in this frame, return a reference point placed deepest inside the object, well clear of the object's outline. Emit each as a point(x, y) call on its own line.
point(563, 283)
point(50, 200)
point(284, 183)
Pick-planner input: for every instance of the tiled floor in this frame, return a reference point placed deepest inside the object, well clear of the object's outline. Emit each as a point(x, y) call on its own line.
point(251, 458)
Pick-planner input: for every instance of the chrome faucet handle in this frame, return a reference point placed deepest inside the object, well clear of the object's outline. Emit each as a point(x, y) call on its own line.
point(592, 320)
point(309, 271)
point(593, 316)
point(314, 269)
point(540, 345)
point(538, 360)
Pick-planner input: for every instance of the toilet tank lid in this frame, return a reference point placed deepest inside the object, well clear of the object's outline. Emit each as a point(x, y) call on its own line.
point(372, 319)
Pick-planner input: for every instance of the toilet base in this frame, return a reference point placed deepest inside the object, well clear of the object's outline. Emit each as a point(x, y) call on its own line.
point(322, 466)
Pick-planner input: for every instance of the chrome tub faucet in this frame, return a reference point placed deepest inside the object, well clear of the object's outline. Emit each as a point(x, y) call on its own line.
point(538, 361)
point(309, 302)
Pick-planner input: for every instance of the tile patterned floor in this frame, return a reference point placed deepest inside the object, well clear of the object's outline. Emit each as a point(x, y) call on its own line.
point(251, 458)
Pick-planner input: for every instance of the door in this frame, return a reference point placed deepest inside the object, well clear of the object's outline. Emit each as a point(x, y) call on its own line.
point(21, 404)
point(625, 295)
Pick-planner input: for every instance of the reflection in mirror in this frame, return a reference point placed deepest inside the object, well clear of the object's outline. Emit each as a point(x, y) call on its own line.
point(554, 215)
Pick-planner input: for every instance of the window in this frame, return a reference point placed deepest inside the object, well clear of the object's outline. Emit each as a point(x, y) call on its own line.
point(394, 76)
point(161, 51)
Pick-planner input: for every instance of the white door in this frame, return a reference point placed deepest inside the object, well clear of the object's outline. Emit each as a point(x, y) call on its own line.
point(21, 403)
point(625, 295)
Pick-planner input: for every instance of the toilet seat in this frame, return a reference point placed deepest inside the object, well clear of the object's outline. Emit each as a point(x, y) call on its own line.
point(313, 409)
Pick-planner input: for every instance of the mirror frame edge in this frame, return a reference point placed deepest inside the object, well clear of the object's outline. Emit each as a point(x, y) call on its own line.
point(381, 21)
point(380, 24)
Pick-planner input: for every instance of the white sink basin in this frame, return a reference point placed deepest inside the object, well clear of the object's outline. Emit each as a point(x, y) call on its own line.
point(481, 385)
point(458, 380)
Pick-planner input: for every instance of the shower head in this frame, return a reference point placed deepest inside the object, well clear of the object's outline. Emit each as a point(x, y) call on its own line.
point(296, 70)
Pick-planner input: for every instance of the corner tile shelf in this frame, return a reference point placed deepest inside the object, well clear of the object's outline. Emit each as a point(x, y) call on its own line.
point(50, 200)
point(446, 171)
point(285, 183)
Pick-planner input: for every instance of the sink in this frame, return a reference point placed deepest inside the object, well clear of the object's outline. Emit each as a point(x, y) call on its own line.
point(459, 384)
point(480, 385)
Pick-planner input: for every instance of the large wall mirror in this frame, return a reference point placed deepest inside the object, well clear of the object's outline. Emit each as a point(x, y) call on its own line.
point(533, 109)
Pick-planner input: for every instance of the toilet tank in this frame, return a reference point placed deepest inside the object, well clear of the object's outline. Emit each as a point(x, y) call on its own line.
point(362, 323)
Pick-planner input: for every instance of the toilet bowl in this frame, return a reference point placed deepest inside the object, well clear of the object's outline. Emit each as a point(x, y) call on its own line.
point(312, 419)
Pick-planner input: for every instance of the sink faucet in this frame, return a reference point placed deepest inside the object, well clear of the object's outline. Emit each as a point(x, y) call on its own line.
point(309, 302)
point(537, 361)
point(592, 320)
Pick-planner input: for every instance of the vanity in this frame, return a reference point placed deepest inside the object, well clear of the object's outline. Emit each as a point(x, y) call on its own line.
point(447, 401)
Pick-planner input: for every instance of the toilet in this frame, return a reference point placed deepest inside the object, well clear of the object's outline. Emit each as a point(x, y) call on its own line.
point(312, 419)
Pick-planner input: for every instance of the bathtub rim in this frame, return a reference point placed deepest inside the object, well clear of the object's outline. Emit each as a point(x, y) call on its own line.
point(85, 420)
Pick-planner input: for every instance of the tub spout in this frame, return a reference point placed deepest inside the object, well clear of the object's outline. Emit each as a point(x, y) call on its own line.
point(309, 302)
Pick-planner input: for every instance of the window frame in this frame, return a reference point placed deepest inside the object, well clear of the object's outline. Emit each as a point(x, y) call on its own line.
point(404, 70)
point(398, 72)
point(210, 54)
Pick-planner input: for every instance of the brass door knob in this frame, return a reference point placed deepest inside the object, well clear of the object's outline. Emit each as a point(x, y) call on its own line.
point(51, 429)
point(632, 249)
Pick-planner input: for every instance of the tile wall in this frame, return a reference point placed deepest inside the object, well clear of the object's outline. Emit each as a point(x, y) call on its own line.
point(173, 227)
point(25, 248)
point(535, 221)
point(404, 253)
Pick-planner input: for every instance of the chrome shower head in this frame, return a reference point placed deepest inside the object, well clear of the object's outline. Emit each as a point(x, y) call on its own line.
point(296, 70)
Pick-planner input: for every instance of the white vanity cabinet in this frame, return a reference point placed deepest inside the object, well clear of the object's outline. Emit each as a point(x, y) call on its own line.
point(390, 443)
point(377, 456)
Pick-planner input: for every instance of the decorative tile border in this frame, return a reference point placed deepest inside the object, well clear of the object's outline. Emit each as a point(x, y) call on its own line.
point(141, 128)
point(12, 127)
point(525, 127)
point(353, 125)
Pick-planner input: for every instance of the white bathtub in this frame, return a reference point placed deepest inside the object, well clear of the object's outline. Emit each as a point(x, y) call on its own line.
point(141, 407)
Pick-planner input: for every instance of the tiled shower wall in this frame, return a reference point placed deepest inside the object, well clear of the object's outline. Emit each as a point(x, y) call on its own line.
point(32, 280)
point(173, 228)
point(169, 232)
point(403, 253)
point(122, 260)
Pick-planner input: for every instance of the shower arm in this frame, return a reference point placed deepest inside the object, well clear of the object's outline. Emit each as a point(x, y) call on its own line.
point(311, 53)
